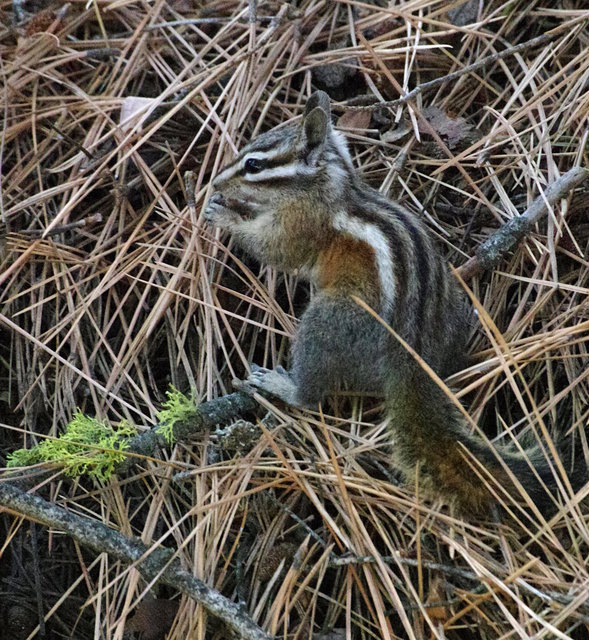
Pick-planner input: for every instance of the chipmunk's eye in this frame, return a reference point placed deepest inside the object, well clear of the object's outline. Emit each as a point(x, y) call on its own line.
point(254, 165)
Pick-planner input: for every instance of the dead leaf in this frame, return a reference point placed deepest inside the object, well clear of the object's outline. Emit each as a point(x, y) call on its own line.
point(354, 120)
point(452, 130)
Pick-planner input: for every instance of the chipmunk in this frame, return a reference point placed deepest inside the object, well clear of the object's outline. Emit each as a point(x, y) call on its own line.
point(293, 200)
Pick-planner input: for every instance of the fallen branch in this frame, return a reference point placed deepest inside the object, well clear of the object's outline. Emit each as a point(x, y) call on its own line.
point(151, 563)
point(552, 597)
point(497, 246)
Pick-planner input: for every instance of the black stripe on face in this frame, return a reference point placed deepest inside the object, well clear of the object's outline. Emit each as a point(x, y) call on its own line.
point(266, 142)
point(279, 160)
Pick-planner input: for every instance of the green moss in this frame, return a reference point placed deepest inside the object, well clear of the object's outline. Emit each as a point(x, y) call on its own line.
point(88, 446)
point(176, 409)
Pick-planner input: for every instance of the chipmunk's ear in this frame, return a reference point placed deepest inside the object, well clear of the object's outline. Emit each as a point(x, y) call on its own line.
point(315, 127)
point(317, 99)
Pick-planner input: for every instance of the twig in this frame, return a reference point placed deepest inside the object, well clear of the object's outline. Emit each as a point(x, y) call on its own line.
point(85, 222)
point(495, 248)
point(151, 563)
point(102, 54)
point(190, 188)
point(220, 21)
point(411, 562)
point(351, 105)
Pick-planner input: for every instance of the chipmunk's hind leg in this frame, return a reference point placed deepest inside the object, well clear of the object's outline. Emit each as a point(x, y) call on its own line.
point(338, 346)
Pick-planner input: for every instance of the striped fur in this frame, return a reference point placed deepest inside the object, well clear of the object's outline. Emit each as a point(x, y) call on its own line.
point(299, 211)
point(301, 206)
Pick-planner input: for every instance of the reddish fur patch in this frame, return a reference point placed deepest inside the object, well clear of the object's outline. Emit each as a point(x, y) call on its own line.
point(348, 266)
point(444, 470)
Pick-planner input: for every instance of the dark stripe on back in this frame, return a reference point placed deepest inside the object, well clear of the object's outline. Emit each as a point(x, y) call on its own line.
point(435, 331)
point(423, 275)
point(416, 261)
point(399, 255)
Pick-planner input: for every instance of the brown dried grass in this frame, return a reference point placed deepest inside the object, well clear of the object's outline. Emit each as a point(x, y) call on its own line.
point(104, 315)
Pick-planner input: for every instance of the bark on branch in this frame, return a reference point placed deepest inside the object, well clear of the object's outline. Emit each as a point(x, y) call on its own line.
point(208, 415)
point(505, 239)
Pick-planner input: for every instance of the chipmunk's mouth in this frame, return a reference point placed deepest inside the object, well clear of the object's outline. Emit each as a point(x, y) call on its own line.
point(220, 205)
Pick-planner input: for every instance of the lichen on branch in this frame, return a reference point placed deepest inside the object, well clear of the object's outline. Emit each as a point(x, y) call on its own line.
point(88, 446)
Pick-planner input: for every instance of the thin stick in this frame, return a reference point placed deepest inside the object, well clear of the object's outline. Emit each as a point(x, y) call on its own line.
point(78, 224)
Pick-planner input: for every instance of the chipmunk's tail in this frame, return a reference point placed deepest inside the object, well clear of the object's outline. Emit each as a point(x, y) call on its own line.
point(434, 447)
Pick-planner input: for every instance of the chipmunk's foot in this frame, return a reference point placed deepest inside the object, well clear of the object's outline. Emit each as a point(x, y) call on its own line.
point(277, 381)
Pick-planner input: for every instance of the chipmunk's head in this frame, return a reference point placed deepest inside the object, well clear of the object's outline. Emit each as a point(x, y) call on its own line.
point(284, 177)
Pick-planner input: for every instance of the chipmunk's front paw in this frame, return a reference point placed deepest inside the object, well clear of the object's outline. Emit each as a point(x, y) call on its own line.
point(277, 381)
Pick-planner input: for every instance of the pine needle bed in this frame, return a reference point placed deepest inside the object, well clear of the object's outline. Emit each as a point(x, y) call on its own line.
point(112, 289)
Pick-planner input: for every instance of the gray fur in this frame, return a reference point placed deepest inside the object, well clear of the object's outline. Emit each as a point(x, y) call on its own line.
point(338, 346)
point(315, 128)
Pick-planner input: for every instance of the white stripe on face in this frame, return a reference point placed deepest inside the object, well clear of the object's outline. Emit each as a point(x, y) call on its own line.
point(239, 166)
point(226, 174)
point(289, 170)
point(374, 237)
